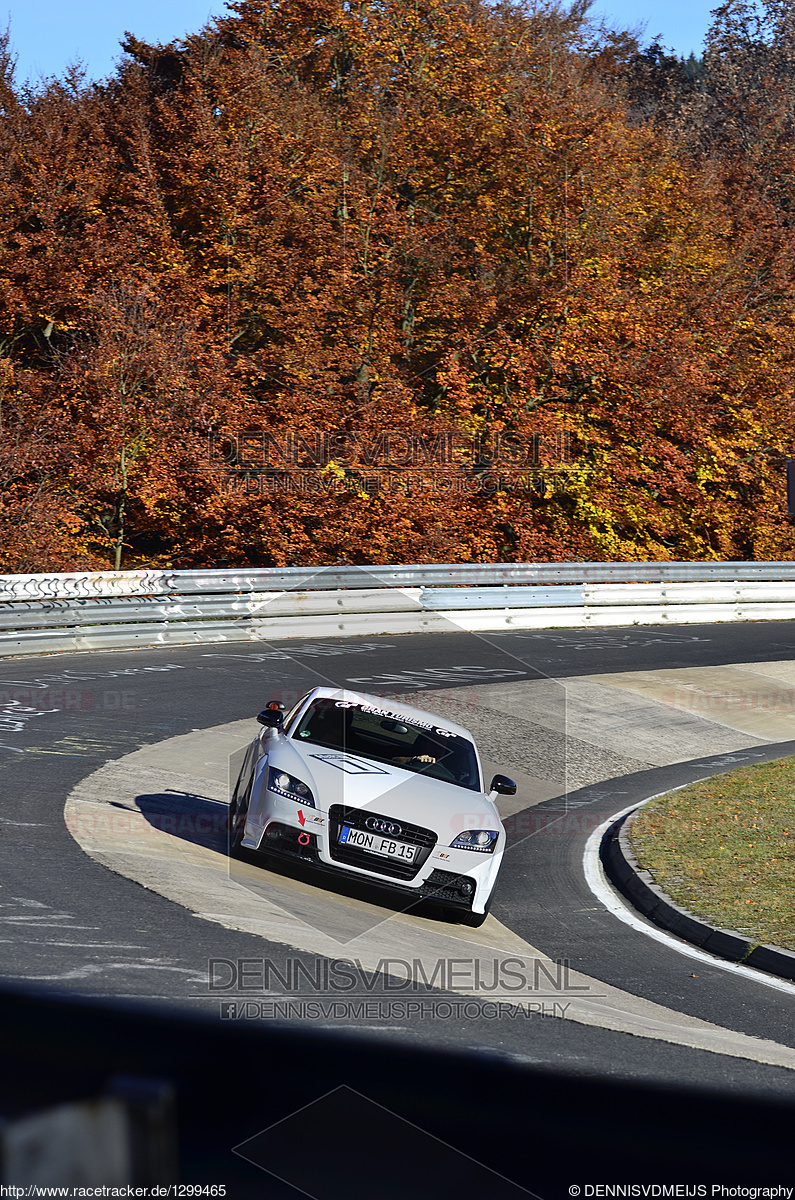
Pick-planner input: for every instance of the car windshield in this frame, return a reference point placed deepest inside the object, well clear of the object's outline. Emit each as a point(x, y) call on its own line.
point(388, 737)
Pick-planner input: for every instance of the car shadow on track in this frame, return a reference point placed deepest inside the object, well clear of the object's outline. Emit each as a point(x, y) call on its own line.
point(197, 819)
point(334, 885)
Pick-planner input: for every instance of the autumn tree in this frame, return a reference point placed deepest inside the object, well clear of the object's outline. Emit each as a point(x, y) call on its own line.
point(425, 221)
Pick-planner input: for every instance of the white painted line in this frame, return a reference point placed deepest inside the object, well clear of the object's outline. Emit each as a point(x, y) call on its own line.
point(604, 891)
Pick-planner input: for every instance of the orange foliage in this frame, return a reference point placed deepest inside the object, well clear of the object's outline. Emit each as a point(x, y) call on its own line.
point(430, 220)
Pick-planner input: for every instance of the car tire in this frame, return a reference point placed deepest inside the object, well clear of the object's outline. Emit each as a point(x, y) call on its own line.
point(236, 824)
point(473, 919)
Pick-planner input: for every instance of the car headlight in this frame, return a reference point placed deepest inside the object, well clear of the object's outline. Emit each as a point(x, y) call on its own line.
point(287, 785)
point(483, 840)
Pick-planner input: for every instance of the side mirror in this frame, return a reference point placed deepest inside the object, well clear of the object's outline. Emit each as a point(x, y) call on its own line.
point(503, 786)
point(273, 715)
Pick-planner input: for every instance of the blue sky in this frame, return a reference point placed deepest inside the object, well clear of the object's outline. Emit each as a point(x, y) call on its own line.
point(48, 34)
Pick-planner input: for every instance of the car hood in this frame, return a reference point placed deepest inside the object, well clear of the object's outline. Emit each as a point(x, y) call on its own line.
point(339, 778)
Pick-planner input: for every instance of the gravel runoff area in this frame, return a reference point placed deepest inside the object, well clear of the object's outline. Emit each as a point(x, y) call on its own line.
point(724, 849)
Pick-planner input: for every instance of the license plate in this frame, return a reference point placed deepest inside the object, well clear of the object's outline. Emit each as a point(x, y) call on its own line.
point(376, 844)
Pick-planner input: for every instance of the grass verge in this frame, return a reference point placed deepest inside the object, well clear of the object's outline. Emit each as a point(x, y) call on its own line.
point(725, 850)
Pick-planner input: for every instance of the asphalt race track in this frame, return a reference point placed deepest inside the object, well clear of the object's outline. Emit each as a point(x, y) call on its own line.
point(588, 721)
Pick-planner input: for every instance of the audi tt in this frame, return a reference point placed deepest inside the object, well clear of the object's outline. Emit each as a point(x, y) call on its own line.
point(373, 789)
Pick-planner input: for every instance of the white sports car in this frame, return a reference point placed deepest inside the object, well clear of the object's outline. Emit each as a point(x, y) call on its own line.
point(363, 786)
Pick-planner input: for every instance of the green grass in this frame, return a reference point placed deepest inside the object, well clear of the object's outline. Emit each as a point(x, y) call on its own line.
point(725, 850)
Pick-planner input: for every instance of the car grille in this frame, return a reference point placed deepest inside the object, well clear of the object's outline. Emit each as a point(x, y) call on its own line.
point(354, 856)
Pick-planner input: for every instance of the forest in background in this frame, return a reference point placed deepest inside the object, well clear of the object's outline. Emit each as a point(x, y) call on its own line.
point(507, 285)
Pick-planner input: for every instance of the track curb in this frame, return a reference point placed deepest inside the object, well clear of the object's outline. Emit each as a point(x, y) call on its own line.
point(638, 886)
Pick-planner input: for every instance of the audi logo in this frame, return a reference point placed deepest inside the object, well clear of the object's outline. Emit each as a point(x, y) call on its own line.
point(379, 826)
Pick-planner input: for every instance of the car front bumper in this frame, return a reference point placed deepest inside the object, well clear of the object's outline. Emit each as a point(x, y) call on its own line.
point(446, 875)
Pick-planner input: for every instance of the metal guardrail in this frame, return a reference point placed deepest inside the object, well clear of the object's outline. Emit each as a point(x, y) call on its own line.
point(127, 609)
point(266, 579)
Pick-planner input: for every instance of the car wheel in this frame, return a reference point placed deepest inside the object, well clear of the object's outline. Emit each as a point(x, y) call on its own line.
point(236, 823)
point(473, 919)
